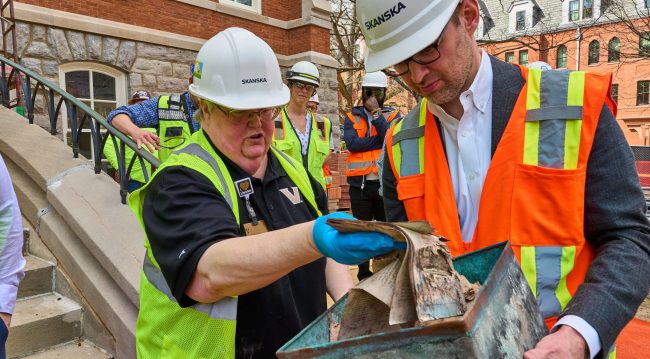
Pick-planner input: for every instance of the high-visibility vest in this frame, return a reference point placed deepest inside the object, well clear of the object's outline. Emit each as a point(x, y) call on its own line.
point(110, 152)
point(164, 329)
point(174, 128)
point(286, 140)
point(534, 190)
point(364, 163)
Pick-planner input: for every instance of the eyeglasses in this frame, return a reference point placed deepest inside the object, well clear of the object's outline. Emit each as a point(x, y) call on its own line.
point(424, 57)
point(378, 93)
point(303, 86)
point(240, 116)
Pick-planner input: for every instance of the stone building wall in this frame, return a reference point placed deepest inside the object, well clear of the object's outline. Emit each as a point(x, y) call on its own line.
point(158, 69)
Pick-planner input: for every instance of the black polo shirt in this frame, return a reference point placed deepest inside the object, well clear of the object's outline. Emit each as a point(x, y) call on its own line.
point(184, 211)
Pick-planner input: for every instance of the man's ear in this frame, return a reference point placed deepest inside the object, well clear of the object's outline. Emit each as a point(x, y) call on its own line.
point(470, 14)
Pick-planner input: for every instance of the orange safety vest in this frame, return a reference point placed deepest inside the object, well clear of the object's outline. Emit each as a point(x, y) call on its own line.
point(534, 190)
point(363, 163)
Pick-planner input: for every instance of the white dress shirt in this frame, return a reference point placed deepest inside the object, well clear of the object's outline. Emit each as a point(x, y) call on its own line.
point(468, 144)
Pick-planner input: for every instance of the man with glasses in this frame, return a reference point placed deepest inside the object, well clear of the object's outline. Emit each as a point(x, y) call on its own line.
point(363, 132)
point(235, 235)
point(298, 131)
point(496, 152)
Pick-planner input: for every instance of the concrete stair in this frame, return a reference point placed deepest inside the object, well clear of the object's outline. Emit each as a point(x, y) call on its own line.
point(45, 323)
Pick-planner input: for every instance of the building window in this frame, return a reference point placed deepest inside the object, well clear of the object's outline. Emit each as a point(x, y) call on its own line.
point(521, 21)
point(615, 92)
point(523, 57)
point(510, 56)
point(614, 50)
point(644, 44)
point(588, 9)
point(251, 5)
point(561, 57)
point(594, 53)
point(642, 91)
point(574, 10)
point(100, 87)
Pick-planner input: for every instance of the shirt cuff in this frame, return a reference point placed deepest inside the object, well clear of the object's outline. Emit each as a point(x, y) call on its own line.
point(8, 295)
point(587, 332)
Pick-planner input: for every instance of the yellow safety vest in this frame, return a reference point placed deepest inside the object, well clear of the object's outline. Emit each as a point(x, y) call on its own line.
point(204, 330)
point(174, 128)
point(110, 152)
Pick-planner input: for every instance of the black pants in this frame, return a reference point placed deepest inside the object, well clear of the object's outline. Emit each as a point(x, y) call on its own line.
point(4, 332)
point(367, 205)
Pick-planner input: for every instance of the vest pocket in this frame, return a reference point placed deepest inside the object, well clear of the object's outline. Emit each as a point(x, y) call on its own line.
point(410, 190)
point(284, 146)
point(547, 206)
point(173, 131)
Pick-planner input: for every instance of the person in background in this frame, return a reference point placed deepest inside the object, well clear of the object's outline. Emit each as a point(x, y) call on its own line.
point(312, 105)
point(364, 131)
point(497, 152)
point(137, 177)
point(235, 231)
point(298, 132)
point(172, 116)
point(12, 262)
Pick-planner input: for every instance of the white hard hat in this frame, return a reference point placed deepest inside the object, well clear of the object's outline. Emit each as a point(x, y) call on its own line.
point(395, 31)
point(304, 71)
point(314, 98)
point(238, 70)
point(540, 65)
point(374, 79)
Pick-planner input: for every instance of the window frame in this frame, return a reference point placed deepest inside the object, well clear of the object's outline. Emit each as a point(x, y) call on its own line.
point(510, 53)
point(523, 20)
point(642, 94)
point(593, 54)
point(564, 57)
point(644, 51)
point(256, 5)
point(611, 50)
point(575, 11)
point(614, 92)
point(121, 91)
point(584, 9)
point(523, 52)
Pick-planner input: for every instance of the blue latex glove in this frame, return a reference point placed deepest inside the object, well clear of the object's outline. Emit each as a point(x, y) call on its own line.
point(350, 248)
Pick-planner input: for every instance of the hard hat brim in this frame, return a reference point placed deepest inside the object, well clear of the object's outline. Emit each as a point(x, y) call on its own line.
point(404, 48)
point(252, 101)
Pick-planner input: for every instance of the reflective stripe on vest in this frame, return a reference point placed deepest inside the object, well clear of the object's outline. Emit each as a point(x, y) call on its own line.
point(548, 284)
point(408, 142)
point(196, 150)
point(225, 308)
point(554, 118)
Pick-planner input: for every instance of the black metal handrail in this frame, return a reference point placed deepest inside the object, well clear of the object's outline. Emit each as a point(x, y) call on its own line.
point(29, 85)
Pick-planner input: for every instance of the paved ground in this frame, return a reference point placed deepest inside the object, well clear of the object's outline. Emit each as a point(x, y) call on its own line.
point(644, 311)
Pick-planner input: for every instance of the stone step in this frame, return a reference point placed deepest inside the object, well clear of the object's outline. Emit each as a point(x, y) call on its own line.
point(41, 322)
point(74, 350)
point(39, 277)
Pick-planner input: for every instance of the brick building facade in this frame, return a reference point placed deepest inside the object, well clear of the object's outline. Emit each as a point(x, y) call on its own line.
point(589, 35)
point(101, 51)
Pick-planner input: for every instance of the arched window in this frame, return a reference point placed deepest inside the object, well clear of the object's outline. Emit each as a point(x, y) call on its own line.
point(560, 63)
point(594, 52)
point(614, 50)
point(101, 87)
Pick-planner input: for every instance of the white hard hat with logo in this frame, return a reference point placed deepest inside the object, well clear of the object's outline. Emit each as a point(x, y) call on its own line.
point(396, 30)
point(539, 65)
point(374, 79)
point(304, 71)
point(238, 70)
point(314, 98)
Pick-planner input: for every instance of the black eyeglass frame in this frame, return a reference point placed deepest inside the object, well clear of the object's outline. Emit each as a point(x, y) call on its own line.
point(433, 45)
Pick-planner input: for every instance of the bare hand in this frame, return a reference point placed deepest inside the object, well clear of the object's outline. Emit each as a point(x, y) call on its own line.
point(6, 317)
point(142, 137)
point(371, 104)
point(566, 342)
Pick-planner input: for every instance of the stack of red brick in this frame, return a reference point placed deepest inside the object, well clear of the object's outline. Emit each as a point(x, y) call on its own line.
point(338, 194)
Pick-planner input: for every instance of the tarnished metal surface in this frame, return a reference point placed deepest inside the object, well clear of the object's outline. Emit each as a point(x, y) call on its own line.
point(504, 321)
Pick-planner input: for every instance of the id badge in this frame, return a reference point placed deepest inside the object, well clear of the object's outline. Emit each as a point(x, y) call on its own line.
point(251, 229)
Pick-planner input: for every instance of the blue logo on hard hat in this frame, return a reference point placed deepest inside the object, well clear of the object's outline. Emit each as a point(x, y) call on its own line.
point(386, 16)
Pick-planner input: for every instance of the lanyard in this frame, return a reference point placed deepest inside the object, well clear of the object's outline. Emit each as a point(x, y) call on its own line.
point(245, 190)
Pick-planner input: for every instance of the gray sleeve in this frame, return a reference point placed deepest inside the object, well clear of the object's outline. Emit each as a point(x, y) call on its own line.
point(619, 277)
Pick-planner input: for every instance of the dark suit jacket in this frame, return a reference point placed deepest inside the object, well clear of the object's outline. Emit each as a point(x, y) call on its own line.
point(615, 223)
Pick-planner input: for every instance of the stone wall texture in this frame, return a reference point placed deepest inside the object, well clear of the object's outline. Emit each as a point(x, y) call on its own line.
point(158, 69)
